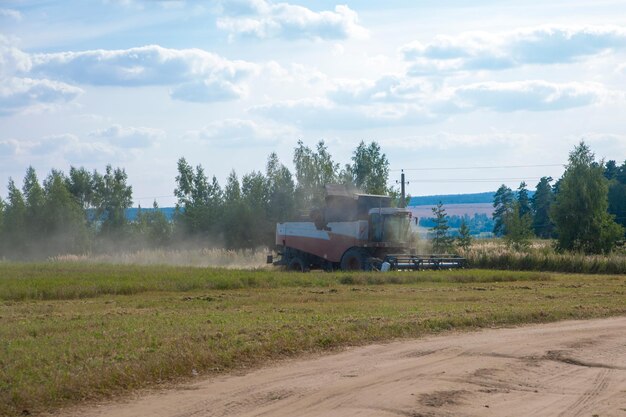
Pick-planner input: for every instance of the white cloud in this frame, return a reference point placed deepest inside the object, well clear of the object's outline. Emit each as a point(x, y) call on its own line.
point(204, 91)
point(82, 152)
point(114, 143)
point(146, 65)
point(319, 113)
point(237, 132)
point(12, 60)
point(11, 14)
point(294, 73)
point(196, 75)
point(390, 88)
point(489, 51)
point(338, 50)
point(527, 95)
point(129, 137)
point(68, 146)
point(17, 94)
point(51, 144)
point(393, 101)
point(9, 147)
point(264, 19)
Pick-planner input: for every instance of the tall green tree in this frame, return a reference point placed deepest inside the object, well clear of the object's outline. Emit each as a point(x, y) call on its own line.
point(502, 204)
point(314, 169)
point(580, 211)
point(282, 199)
point(112, 196)
point(80, 184)
point(15, 234)
point(235, 221)
point(442, 241)
point(255, 199)
point(370, 169)
point(65, 227)
point(34, 200)
point(199, 204)
point(541, 202)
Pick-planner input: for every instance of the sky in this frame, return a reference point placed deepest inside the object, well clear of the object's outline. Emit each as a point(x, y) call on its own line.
point(463, 96)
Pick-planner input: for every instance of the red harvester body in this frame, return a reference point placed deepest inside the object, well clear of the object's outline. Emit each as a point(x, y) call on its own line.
point(354, 232)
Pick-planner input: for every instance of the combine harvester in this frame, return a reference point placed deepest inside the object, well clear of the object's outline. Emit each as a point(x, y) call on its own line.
point(354, 232)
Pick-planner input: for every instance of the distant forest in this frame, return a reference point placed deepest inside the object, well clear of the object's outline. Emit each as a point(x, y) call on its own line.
point(433, 200)
point(88, 211)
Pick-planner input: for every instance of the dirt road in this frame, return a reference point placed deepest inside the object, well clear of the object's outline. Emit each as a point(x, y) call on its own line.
point(574, 368)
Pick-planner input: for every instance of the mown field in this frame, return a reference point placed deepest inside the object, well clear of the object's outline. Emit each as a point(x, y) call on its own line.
point(72, 331)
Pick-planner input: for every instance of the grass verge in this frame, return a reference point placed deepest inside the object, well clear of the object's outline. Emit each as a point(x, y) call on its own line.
point(70, 332)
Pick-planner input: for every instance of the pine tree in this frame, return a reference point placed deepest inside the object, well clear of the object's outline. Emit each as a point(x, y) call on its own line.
point(611, 170)
point(502, 204)
point(518, 228)
point(541, 202)
point(580, 210)
point(464, 241)
point(442, 242)
point(523, 200)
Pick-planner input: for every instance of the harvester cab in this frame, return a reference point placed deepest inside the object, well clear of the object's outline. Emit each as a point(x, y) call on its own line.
point(389, 225)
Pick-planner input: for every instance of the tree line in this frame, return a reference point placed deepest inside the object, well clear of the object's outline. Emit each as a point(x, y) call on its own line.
point(585, 209)
point(84, 211)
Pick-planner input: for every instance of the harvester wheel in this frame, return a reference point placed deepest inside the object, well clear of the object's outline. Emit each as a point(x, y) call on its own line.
point(296, 264)
point(355, 259)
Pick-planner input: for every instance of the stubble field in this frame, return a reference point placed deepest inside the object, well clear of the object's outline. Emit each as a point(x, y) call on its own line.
point(74, 331)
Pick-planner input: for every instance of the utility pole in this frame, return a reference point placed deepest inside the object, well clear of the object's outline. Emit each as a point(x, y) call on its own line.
point(402, 189)
point(403, 204)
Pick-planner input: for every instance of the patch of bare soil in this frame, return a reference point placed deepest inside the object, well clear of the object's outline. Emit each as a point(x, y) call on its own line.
point(574, 368)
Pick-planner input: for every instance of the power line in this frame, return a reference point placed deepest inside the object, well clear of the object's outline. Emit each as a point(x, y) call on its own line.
point(478, 167)
point(474, 179)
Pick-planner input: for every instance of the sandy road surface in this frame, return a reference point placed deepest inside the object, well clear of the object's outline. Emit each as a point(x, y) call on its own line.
point(574, 368)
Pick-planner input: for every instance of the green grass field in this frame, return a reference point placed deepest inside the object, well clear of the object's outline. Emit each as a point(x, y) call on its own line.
point(76, 331)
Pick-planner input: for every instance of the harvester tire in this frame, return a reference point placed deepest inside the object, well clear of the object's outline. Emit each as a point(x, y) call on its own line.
point(297, 265)
point(355, 259)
